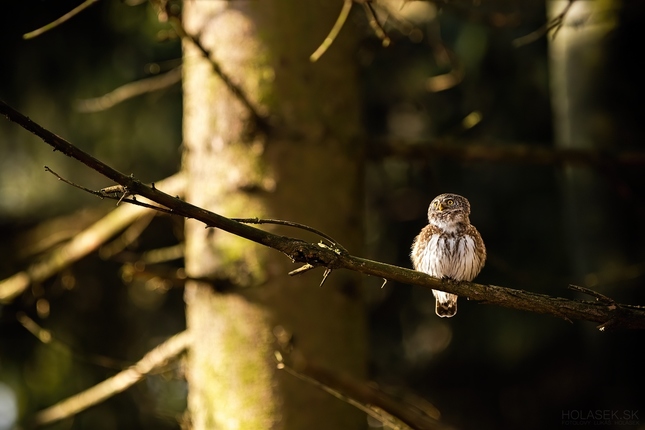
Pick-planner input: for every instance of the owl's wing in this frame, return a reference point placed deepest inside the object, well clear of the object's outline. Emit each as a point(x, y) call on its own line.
point(421, 242)
point(480, 248)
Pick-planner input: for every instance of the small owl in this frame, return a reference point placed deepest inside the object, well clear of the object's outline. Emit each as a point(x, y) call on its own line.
point(449, 247)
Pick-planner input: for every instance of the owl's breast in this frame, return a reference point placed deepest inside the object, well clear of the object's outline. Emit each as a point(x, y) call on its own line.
point(450, 255)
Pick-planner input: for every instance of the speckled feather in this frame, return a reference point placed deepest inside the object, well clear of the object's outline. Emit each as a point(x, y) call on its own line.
point(449, 247)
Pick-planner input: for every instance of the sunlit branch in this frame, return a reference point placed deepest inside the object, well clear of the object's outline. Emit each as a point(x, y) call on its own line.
point(128, 237)
point(374, 23)
point(393, 413)
point(333, 33)
point(157, 357)
point(78, 9)
point(130, 90)
point(554, 25)
point(82, 244)
point(46, 337)
point(613, 315)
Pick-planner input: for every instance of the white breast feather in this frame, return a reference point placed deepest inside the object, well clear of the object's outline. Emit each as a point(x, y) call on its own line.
point(460, 262)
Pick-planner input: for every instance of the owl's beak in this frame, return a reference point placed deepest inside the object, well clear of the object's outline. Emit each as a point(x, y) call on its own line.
point(439, 207)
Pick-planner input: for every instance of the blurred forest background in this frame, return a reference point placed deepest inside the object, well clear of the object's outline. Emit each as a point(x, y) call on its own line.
point(447, 107)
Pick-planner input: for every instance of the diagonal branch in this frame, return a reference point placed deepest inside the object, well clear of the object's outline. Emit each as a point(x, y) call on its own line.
point(391, 412)
point(82, 244)
point(614, 315)
point(377, 27)
point(78, 9)
point(333, 33)
point(154, 359)
point(554, 24)
point(130, 90)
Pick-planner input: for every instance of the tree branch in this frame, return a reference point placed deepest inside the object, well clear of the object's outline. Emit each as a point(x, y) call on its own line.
point(156, 358)
point(554, 24)
point(78, 9)
point(319, 255)
point(80, 245)
point(494, 152)
point(130, 90)
point(372, 19)
point(333, 33)
point(393, 413)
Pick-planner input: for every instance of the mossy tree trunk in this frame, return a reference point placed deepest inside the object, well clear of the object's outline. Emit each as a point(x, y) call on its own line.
point(307, 171)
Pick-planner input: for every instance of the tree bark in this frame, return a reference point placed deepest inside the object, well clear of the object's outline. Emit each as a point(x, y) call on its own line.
point(235, 169)
point(577, 55)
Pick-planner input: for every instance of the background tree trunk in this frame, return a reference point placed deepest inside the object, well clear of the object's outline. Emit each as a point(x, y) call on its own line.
point(312, 175)
point(578, 55)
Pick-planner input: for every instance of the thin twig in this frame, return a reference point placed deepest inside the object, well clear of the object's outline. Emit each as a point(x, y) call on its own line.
point(378, 415)
point(592, 293)
point(118, 193)
point(333, 33)
point(46, 337)
point(157, 357)
point(375, 24)
point(333, 241)
point(78, 9)
point(305, 268)
point(325, 275)
point(130, 90)
point(68, 182)
point(126, 238)
point(360, 394)
point(554, 24)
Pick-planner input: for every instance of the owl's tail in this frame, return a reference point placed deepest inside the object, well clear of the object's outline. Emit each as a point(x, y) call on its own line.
point(446, 304)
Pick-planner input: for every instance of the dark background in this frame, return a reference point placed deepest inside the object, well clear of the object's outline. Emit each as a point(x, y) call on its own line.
point(545, 225)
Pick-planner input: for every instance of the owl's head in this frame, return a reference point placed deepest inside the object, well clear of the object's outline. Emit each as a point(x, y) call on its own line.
point(448, 210)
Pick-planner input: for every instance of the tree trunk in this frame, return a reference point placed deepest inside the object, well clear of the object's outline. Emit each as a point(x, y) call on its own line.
point(307, 171)
point(577, 55)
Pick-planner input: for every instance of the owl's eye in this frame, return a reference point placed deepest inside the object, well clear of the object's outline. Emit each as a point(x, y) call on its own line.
point(450, 202)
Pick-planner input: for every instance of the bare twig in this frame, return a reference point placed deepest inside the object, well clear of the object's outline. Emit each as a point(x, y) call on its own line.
point(47, 338)
point(333, 241)
point(325, 276)
point(128, 237)
point(375, 24)
point(554, 24)
point(333, 33)
point(592, 293)
point(384, 418)
point(305, 268)
point(78, 9)
point(157, 357)
point(320, 255)
point(359, 394)
point(130, 90)
point(117, 192)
